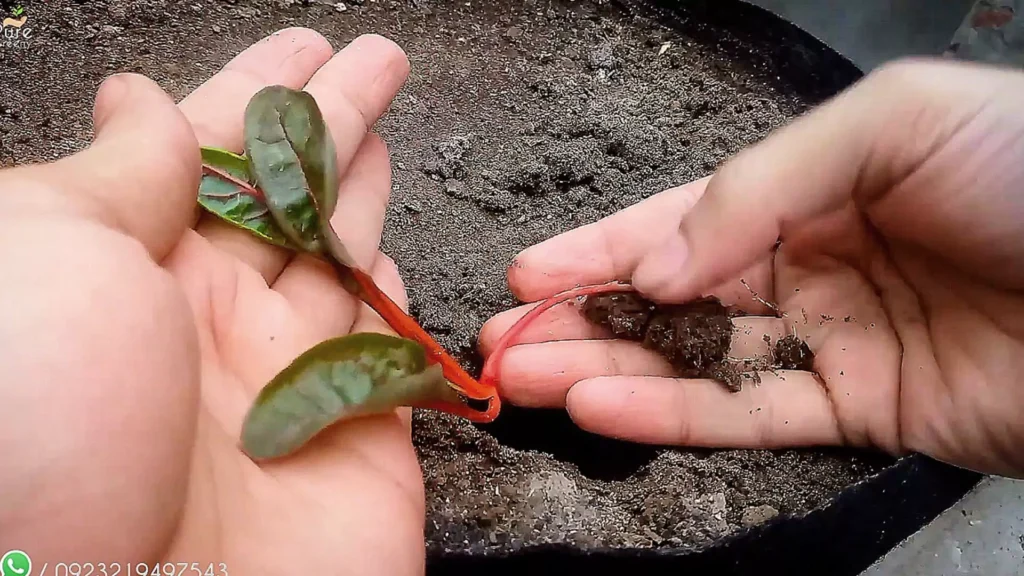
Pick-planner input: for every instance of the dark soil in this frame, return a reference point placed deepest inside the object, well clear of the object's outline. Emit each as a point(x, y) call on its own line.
point(522, 119)
point(694, 337)
point(792, 353)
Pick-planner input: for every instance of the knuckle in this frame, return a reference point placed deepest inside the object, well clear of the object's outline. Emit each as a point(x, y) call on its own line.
point(684, 432)
point(764, 426)
point(611, 354)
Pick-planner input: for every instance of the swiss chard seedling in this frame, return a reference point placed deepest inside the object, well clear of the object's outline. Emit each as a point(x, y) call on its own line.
point(283, 190)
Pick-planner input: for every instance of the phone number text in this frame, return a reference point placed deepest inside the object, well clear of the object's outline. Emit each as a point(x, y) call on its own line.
point(130, 569)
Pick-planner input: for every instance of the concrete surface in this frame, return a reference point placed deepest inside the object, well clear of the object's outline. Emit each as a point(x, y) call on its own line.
point(869, 32)
point(993, 32)
point(983, 534)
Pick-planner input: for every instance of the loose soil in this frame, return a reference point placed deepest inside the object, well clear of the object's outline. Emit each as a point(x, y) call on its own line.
point(792, 353)
point(522, 119)
point(694, 337)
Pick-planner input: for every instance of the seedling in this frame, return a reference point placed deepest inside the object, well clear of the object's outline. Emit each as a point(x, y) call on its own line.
point(283, 190)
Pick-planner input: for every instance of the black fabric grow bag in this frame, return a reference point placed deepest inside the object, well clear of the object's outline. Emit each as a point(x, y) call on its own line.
point(864, 521)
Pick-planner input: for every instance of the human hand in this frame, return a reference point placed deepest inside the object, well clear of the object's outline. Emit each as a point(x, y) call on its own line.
point(898, 206)
point(137, 333)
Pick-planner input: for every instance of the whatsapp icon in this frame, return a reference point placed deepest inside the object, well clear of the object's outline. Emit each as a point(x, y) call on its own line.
point(15, 563)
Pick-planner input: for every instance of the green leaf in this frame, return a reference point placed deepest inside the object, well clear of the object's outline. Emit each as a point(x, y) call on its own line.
point(239, 205)
point(294, 161)
point(354, 375)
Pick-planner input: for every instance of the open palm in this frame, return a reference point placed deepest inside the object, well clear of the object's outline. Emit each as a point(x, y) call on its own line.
point(189, 318)
point(901, 264)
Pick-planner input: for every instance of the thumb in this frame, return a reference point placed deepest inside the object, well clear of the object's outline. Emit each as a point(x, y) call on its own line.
point(141, 173)
point(854, 148)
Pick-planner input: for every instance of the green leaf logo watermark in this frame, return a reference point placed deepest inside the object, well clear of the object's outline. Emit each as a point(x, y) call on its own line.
point(15, 34)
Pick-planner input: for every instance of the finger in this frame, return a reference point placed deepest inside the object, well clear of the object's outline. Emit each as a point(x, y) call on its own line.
point(540, 375)
point(141, 172)
point(310, 284)
point(611, 248)
point(564, 322)
point(352, 90)
point(606, 250)
point(857, 147)
point(789, 409)
point(750, 333)
point(216, 110)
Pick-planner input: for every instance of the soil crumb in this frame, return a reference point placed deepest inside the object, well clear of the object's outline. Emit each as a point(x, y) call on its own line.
point(792, 353)
point(694, 337)
point(521, 119)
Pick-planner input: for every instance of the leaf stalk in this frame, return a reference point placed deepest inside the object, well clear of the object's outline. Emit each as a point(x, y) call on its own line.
point(491, 371)
point(243, 186)
point(361, 285)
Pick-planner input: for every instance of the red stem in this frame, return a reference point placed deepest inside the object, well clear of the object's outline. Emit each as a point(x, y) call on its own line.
point(361, 284)
point(407, 327)
point(492, 367)
point(493, 408)
point(243, 186)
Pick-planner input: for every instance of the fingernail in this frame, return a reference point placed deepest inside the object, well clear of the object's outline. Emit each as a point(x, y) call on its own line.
point(661, 273)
